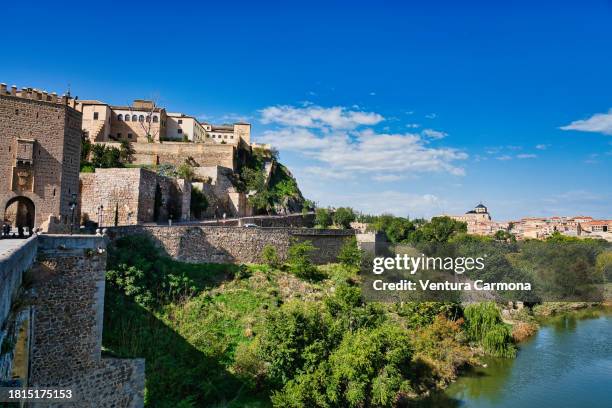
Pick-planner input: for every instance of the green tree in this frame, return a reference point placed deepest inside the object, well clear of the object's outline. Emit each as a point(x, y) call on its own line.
point(269, 256)
point(343, 217)
point(441, 229)
point(126, 152)
point(299, 261)
point(350, 255)
point(323, 218)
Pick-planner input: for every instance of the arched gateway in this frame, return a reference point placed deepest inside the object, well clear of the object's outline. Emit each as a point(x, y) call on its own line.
point(20, 212)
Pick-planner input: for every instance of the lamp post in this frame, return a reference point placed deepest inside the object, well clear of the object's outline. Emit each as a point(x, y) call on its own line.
point(100, 215)
point(73, 204)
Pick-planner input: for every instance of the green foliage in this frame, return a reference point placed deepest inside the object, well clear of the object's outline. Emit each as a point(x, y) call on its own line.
point(440, 230)
point(350, 255)
point(421, 314)
point(503, 235)
point(185, 171)
point(144, 275)
point(397, 229)
point(343, 217)
point(370, 367)
point(126, 152)
point(103, 156)
point(270, 256)
point(199, 203)
point(484, 324)
point(298, 259)
point(87, 168)
point(323, 218)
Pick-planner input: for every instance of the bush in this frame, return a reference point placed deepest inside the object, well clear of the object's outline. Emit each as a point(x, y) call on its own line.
point(269, 256)
point(343, 217)
point(484, 325)
point(350, 255)
point(136, 268)
point(185, 171)
point(323, 218)
point(299, 261)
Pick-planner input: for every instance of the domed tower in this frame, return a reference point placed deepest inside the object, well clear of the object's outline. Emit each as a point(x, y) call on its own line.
point(481, 209)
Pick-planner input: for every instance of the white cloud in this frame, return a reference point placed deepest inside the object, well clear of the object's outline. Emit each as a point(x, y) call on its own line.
point(526, 156)
point(372, 93)
point(431, 116)
point(504, 157)
point(542, 146)
point(314, 116)
point(599, 123)
point(412, 125)
point(434, 134)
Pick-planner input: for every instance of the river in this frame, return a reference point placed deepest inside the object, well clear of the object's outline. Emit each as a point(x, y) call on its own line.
point(568, 363)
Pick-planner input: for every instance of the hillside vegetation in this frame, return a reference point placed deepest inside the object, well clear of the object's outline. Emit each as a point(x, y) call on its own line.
point(283, 335)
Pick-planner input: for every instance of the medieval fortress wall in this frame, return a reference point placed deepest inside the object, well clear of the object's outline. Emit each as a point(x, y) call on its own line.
point(220, 244)
point(59, 316)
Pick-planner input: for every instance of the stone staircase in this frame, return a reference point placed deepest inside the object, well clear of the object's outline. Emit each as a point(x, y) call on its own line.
point(95, 136)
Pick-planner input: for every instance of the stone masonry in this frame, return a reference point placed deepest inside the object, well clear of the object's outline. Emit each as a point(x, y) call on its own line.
point(67, 326)
point(131, 196)
point(200, 244)
point(40, 147)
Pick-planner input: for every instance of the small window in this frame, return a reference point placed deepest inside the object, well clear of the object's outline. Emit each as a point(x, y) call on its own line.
point(16, 111)
point(119, 135)
point(134, 118)
point(180, 121)
point(225, 137)
point(232, 136)
point(127, 118)
point(129, 135)
point(141, 118)
point(95, 115)
point(179, 131)
point(155, 119)
point(53, 191)
point(120, 117)
point(148, 119)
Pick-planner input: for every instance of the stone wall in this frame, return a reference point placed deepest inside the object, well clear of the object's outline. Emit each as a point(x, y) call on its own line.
point(203, 154)
point(201, 244)
point(16, 258)
point(128, 196)
point(290, 220)
point(67, 321)
point(48, 176)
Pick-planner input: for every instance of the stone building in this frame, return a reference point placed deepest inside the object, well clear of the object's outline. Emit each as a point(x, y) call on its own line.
point(40, 148)
point(479, 221)
point(143, 121)
point(228, 134)
point(128, 196)
point(183, 127)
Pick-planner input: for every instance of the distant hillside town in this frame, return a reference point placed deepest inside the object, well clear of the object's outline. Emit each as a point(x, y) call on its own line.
point(479, 222)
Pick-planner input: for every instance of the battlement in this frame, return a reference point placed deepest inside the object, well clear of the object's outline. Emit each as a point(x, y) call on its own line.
point(37, 95)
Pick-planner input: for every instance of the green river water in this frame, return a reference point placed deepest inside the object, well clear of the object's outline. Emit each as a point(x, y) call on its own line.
point(568, 363)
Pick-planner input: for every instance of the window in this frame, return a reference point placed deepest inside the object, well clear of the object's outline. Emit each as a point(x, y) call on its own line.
point(148, 119)
point(180, 121)
point(95, 115)
point(179, 131)
point(134, 118)
point(225, 137)
point(232, 136)
point(120, 117)
point(129, 135)
point(141, 118)
point(119, 135)
point(127, 117)
point(155, 119)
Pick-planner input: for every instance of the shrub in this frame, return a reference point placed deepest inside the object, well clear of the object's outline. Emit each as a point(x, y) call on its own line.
point(350, 255)
point(343, 217)
point(484, 325)
point(299, 261)
point(185, 171)
point(323, 218)
point(269, 256)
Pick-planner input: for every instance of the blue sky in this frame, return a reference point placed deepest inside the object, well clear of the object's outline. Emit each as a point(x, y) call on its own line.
point(404, 107)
